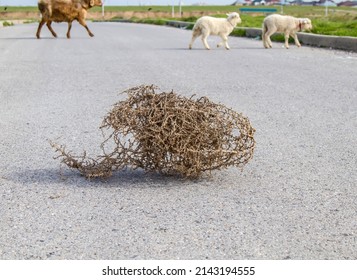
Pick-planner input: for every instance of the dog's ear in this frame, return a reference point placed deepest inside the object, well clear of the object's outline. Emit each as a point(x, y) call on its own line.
point(91, 3)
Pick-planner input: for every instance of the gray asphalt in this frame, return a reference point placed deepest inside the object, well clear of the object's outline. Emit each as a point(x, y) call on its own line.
point(297, 198)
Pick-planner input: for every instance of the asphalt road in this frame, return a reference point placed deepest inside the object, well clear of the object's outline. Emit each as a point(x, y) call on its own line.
point(297, 198)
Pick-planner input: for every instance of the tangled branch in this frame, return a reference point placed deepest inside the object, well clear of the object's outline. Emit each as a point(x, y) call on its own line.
point(169, 134)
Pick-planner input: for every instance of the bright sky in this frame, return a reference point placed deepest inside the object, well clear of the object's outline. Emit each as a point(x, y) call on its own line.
point(126, 2)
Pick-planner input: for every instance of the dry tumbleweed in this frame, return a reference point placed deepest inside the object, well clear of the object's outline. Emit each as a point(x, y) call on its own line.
point(170, 134)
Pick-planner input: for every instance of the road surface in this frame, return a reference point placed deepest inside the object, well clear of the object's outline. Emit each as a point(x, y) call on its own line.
point(297, 198)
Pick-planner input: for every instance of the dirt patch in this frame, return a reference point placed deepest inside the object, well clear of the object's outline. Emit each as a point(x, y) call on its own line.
point(107, 15)
point(19, 16)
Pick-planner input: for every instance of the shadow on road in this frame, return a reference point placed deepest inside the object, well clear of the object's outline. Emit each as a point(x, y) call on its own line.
point(42, 38)
point(19, 38)
point(132, 178)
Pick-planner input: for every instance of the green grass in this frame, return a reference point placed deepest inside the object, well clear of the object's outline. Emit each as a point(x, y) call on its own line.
point(335, 26)
point(7, 23)
point(151, 21)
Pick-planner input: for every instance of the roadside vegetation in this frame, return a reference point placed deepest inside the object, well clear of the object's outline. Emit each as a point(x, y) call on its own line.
point(340, 21)
point(7, 23)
